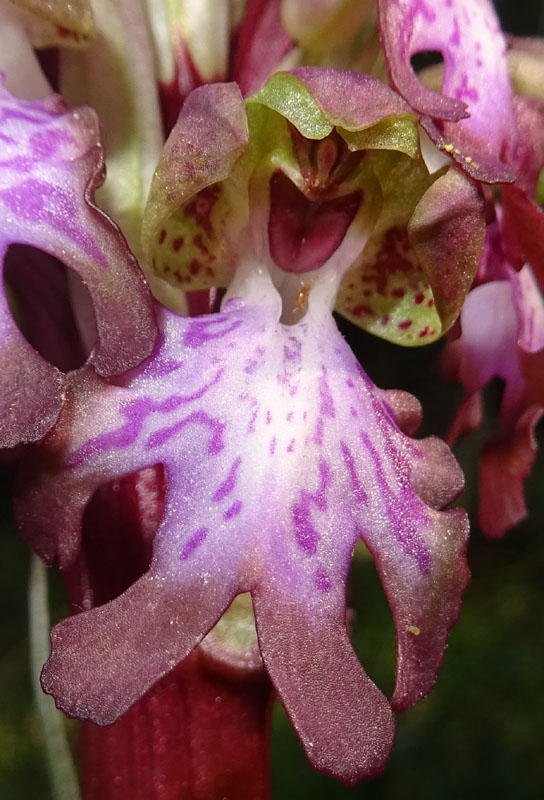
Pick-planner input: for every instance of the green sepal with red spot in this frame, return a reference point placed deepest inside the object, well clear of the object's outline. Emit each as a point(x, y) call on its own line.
point(190, 200)
point(411, 280)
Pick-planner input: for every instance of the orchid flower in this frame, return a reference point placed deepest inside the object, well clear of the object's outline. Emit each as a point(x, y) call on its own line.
point(248, 448)
point(262, 412)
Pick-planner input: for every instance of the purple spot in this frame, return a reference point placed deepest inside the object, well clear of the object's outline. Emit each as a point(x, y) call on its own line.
point(291, 446)
point(350, 383)
point(325, 397)
point(322, 580)
point(272, 446)
point(455, 38)
point(135, 414)
point(251, 366)
point(289, 416)
point(306, 535)
point(252, 421)
point(195, 541)
point(228, 484)
point(292, 351)
point(318, 434)
point(268, 417)
point(233, 511)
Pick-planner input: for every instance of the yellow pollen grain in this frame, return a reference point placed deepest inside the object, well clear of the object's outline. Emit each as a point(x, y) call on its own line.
point(468, 159)
point(413, 629)
point(448, 148)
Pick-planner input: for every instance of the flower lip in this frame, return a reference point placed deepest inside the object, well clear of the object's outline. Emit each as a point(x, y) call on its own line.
point(252, 418)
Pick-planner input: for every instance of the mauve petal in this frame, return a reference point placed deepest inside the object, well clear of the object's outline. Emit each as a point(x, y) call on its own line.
point(261, 44)
point(504, 464)
point(468, 35)
point(31, 396)
point(344, 722)
point(183, 219)
point(105, 659)
point(502, 336)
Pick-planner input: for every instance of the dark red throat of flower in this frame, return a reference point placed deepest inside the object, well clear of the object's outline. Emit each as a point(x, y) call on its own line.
point(303, 233)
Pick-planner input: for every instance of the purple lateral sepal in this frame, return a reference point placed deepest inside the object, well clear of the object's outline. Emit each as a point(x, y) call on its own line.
point(279, 454)
point(471, 118)
point(51, 163)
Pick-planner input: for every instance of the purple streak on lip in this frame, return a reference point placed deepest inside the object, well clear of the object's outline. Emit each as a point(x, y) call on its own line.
point(197, 334)
point(216, 443)
point(406, 523)
point(305, 534)
point(228, 484)
point(195, 541)
point(35, 201)
point(233, 511)
point(349, 461)
point(136, 413)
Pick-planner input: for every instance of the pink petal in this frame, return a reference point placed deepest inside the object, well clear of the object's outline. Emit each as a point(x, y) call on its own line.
point(468, 35)
point(52, 162)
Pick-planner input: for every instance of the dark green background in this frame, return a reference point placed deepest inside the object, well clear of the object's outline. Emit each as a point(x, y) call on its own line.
point(480, 732)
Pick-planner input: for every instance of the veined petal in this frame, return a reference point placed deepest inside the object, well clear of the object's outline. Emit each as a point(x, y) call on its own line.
point(255, 419)
point(474, 104)
point(52, 162)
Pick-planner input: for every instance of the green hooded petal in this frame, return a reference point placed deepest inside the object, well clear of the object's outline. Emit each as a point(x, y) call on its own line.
point(189, 202)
